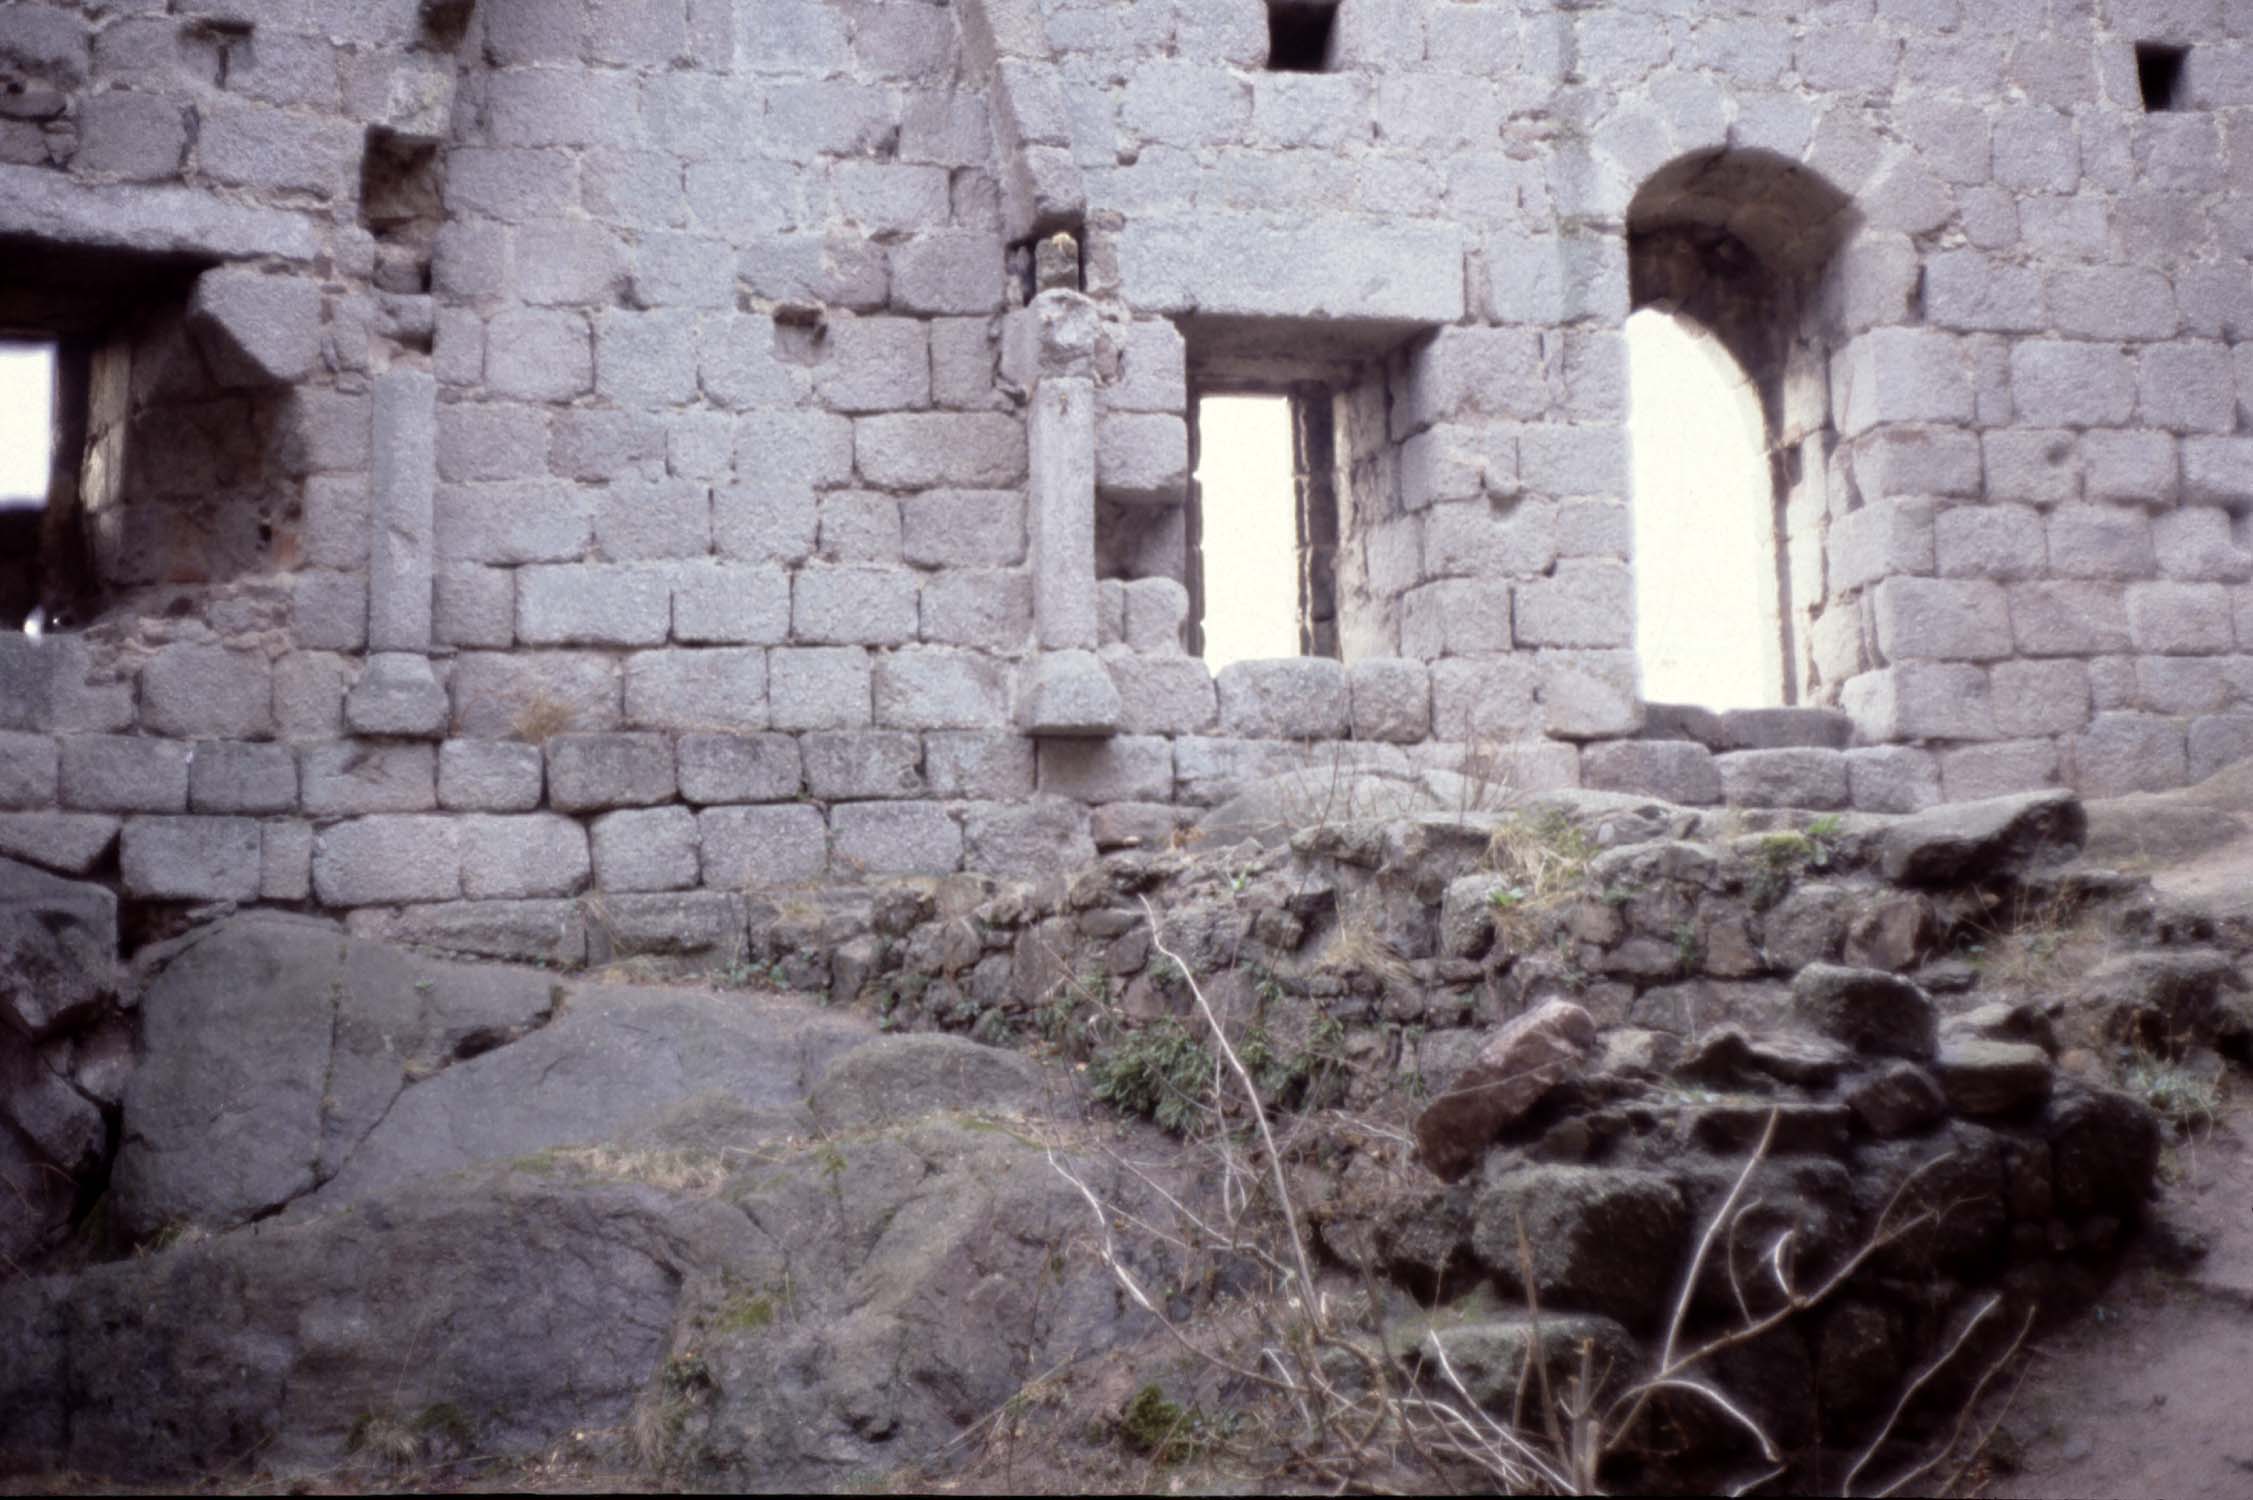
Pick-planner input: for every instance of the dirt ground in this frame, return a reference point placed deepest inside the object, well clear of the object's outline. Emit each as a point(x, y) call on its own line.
point(2147, 1395)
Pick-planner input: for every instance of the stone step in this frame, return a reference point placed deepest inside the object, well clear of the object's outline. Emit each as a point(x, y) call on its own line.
point(1749, 728)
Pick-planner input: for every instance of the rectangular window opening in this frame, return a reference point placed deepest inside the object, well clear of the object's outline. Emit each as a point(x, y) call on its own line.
point(1263, 529)
point(1298, 35)
point(2159, 71)
point(27, 473)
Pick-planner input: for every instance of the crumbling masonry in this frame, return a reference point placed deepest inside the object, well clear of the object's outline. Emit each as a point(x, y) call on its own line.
point(666, 447)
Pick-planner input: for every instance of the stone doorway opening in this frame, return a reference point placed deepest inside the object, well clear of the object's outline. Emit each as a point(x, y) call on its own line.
point(27, 461)
point(1263, 527)
point(1708, 601)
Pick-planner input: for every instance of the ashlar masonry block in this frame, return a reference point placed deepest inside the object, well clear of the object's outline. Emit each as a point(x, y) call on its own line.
point(894, 838)
point(1942, 619)
point(1228, 264)
point(541, 854)
point(744, 847)
point(190, 859)
point(1292, 698)
point(591, 771)
point(1920, 700)
point(718, 688)
point(388, 859)
point(1901, 375)
point(717, 768)
point(646, 849)
point(2180, 618)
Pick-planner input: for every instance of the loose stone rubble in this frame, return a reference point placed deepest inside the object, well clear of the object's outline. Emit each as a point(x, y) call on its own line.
point(500, 415)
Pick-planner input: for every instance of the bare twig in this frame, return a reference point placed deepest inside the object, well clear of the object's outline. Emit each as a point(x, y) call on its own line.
point(1307, 1287)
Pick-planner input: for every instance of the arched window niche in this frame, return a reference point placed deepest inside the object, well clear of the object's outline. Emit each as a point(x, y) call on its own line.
point(1728, 421)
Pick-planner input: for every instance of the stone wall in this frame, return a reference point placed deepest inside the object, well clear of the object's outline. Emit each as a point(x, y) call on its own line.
point(664, 447)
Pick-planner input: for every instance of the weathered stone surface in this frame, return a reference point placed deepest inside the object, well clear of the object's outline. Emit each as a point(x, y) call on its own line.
point(1898, 1098)
point(489, 776)
point(913, 1076)
point(464, 1207)
point(1982, 840)
point(388, 858)
point(226, 776)
point(1595, 1235)
point(191, 859)
point(2167, 1000)
point(1391, 700)
point(1069, 694)
point(257, 330)
point(207, 692)
point(542, 932)
point(2104, 1150)
point(645, 849)
point(119, 773)
point(739, 767)
point(397, 693)
point(590, 771)
point(67, 843)
point(1301, 697)
point(537, 854)
point(1983, 1077)
point(58, 950)
point(746, 847)
point(1522, 1062)
point(1870, 1011)
point(1041, 836)
point(1784, 778)
point(350, 777)
point(1678, 770)
point(894, 838)
point(1234, 265)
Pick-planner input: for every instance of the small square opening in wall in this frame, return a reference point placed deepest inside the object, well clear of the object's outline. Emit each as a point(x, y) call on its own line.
point(27, 457)
point(1298, 35)
point(2159, 72)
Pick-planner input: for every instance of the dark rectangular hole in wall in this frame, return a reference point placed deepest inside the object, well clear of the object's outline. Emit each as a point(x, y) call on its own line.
point(1298, 35)
point(2159, 71)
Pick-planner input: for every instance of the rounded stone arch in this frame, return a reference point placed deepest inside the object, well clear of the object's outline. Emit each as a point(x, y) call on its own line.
point(1739, 240)
point(1729, 248)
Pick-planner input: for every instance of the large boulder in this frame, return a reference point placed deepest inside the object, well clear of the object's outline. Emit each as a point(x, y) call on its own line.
point(284, 1061)
point(2170, 999)
point(759, 1306)
point(1965, 843)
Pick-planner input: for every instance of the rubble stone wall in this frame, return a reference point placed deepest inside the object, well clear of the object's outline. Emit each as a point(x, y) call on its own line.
point(660, 446)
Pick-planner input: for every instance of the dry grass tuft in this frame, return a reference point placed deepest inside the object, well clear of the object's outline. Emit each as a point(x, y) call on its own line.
point(687, 1174)
point(1328, 1396)
point(540, 716)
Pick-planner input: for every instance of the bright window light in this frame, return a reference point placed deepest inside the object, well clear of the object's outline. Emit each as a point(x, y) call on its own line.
point(1708, 601)
point(27, 391)
point(1250, 528)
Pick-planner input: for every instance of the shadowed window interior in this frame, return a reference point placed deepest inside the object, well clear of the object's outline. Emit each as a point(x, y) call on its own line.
point(2159, 72)
point(1707, 624)
point(27, 450)
point(1298, 35)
